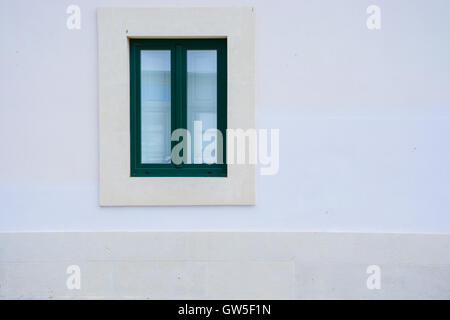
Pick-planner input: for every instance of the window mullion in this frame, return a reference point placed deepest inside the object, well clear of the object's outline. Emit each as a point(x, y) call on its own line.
point(180, 89)
point(174, 100)
point(182, 86)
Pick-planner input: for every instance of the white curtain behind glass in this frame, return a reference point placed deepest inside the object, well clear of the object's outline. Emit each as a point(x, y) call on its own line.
point(201, 95)
point(155, 106)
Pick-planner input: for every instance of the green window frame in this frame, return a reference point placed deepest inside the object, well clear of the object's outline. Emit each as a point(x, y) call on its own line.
point(178, 99)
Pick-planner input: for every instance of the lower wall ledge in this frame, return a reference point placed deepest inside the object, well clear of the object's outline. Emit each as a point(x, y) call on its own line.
point(224, 265)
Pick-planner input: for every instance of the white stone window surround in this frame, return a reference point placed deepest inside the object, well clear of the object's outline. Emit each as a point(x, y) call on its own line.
point(115, 27)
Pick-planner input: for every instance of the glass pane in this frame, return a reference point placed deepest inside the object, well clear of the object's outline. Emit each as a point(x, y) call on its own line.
point(155, 106)
point(201, 99)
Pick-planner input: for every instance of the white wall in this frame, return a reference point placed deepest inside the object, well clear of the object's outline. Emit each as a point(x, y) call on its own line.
point(364, 119)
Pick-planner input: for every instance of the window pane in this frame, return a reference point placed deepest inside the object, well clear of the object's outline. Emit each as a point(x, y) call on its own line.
point(201, 99)
point(155, 106)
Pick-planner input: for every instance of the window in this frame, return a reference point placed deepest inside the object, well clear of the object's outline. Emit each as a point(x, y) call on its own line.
point(178, 107)
point(152, 179)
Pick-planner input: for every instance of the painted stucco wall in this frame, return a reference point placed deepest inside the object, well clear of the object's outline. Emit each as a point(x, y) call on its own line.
point(364, 119)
